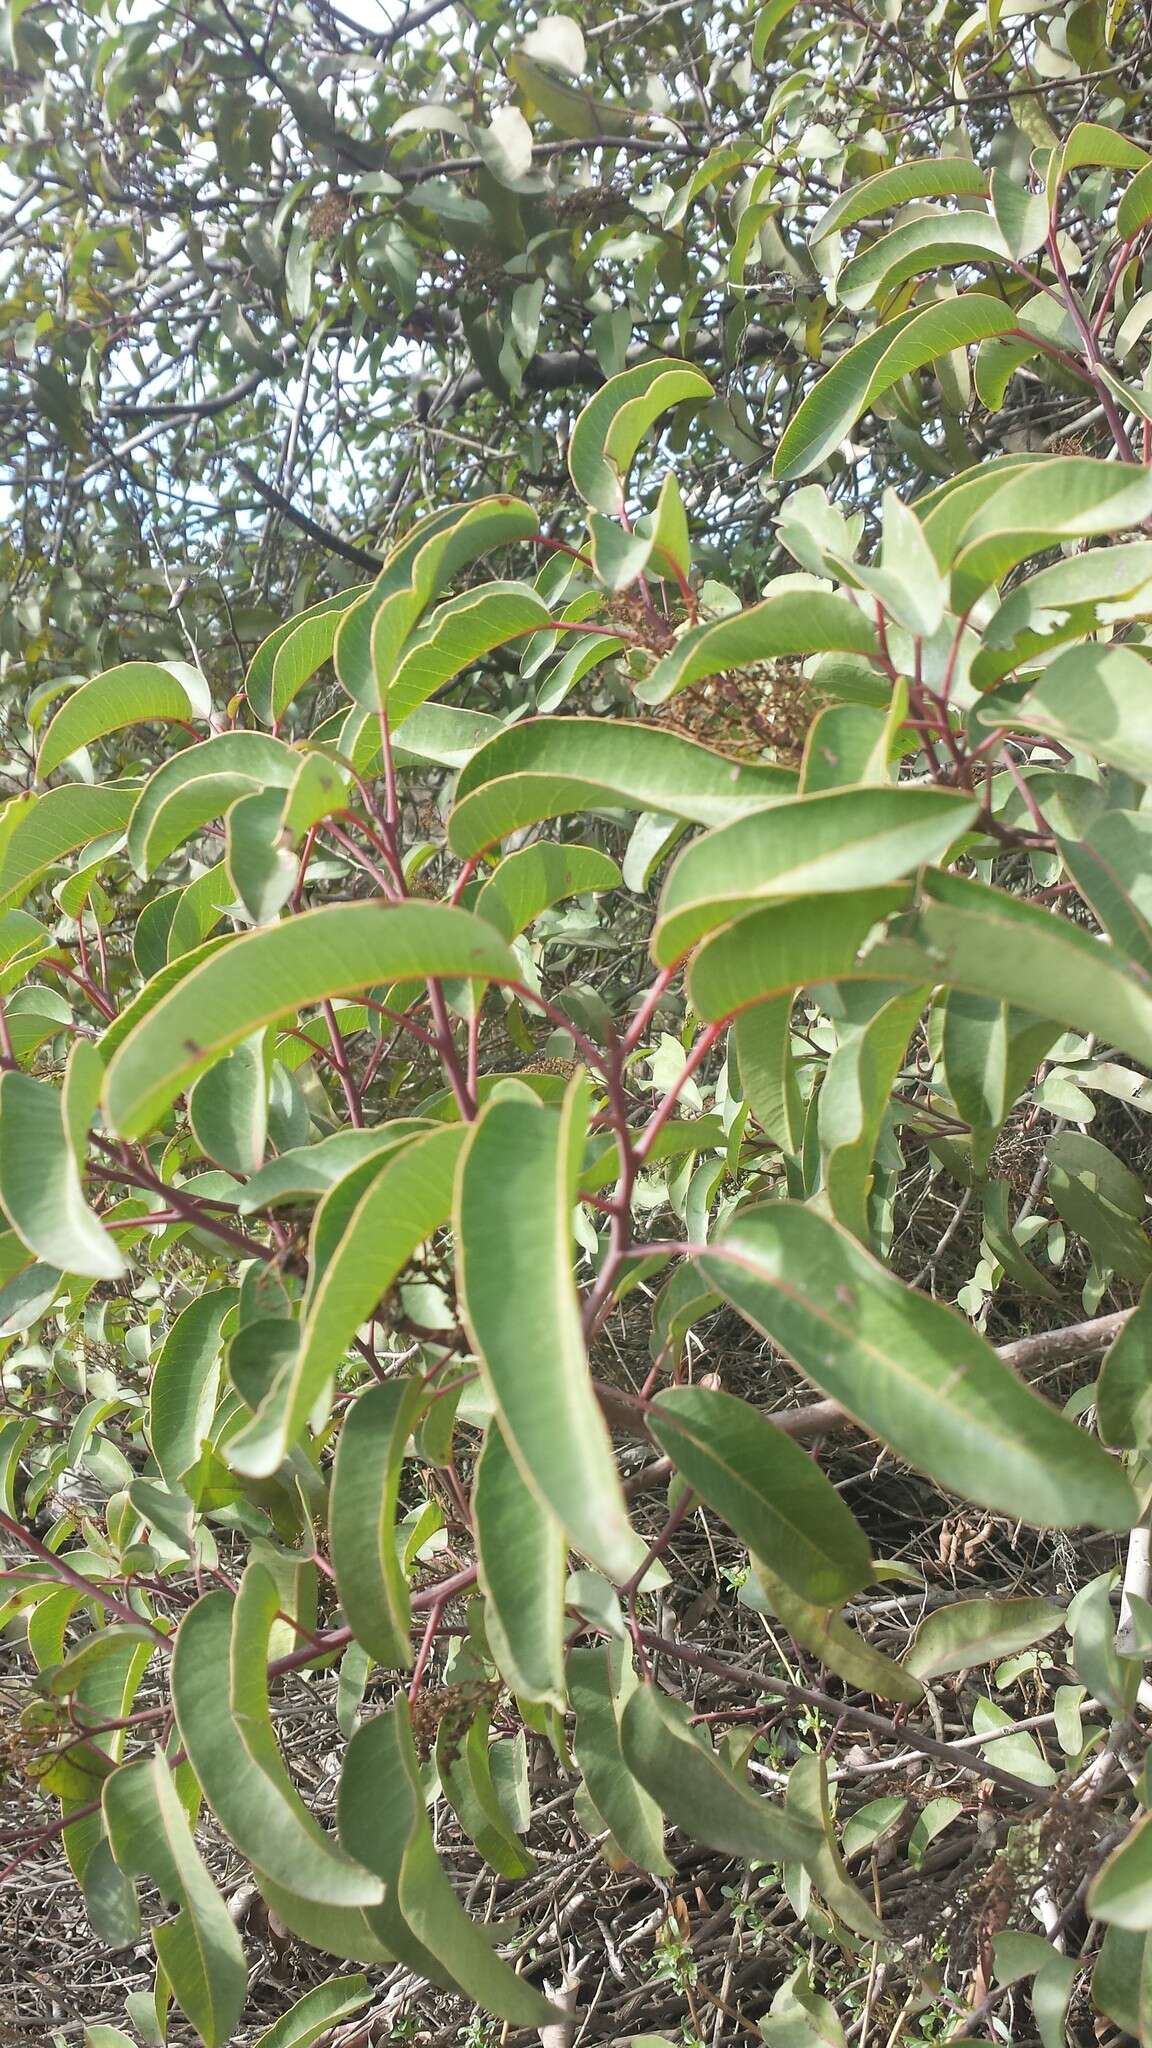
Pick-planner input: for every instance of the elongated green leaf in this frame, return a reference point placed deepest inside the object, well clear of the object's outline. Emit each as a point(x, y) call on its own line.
point(48, 827)
point(455, 636)
point(869, 369)
point(1124, 1389)
point(839, 842)
point(762, 1040)
point(185, 1379)
point(971, 1632)
point(527, 882)
point(404, 1203)
point(199, 784)
point(316, 2012)
point(600, 1682)
point(774, 951)
point(226, 1730)
point(314, 1169)
point(1096, 699)
point(547, 766)
point(1061, 498)
point(690, 1784)
point(807, 1798)
point(40, 1187)
point(228, 1107)
point(613, 423)
point(1121, 1893)
point(515, 1196)
point(133, 694)
point(366, 1478)
point(260, 866)
point(1112, 868)
point(927, 243)
point(199, 1950)
point(285, 661)
point(767, 1489)
point(913, 1372)
point(523, 1560)
point(382, 1818)
point(853, 1104)
point(270, 974)
point(822, 1631)
point(1102, 1200)
point(793, 622)
point(932, 178)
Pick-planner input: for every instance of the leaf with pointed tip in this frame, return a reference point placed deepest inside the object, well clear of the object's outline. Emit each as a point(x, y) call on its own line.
point(365, 1489)
point(405, 1202)
point(835, 843)
point(871, 367)
point(1112, 868)
point(822, 1631)
point(1121, 1892)
point(534, 878)
point(1094, 699)
point(260, 865)
point(545, 767)
point(515, 1196)
point(930, 242)
point(854, 1102)
point(455, 636)
point(469, 1785)
point(199, 784)
point(911, 1371)
point(792, 622)
point(271, 974)
point(314, 1169)
point(767, 1489)
point(226, 1730)
point(612, 425)
point(600, 1683)
point(291, 655)
point(228, 1107)
point(772, 952)
point(1063, 498)
point(199, 1950)
point(41, 1191)
point(185, 1380)
point(933, 177)
point(971, 1632)
point(1124, 1388)
point(382, 1817)
point(316, 2012)
point(523, 1561)
point(48, 827)
point(132, 694)
point(693, 1788)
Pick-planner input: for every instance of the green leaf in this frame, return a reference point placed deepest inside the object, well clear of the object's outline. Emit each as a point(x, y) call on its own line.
point(854, 1102)
point(690, 1784)
point(600, 1683)
point(260, 865)
point(766, 1487)
point(316, 2012)
point(226, 1731)
point(41, 1191)
point(365, 1489)
point(1063, 497)
point(285, 661)
point(931, 178)
point(545, 767)
point(866, 371)
point(931, 242)
point(515, 1197)
point(466, 1777)
point(1102, 1200)
point(1093, 699)
point(314, 1169)
point(822, 1631)
point(762, 1038)
point(1124, 1388)
point(799, 2018)
point(268, 975)
point(613, 423)
point(1112, 868)
point(133, 694)
point(772, 952)
point(405, 1202)
point(199, 1951)
point(185, 1380)
point(382, 1817)
point(791, 622)
point(228, 1107)
point(456, 635)
point(911, 1371)
point(970, 1632)
point(199, 784)
point(48, 827)
point(837, 843)
point(523, 1561)
point(531, 880)
point(1121, 1893)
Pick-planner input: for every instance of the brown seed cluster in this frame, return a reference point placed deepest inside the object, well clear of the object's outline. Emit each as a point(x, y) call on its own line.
point(452, 1708)
point(766, 708)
